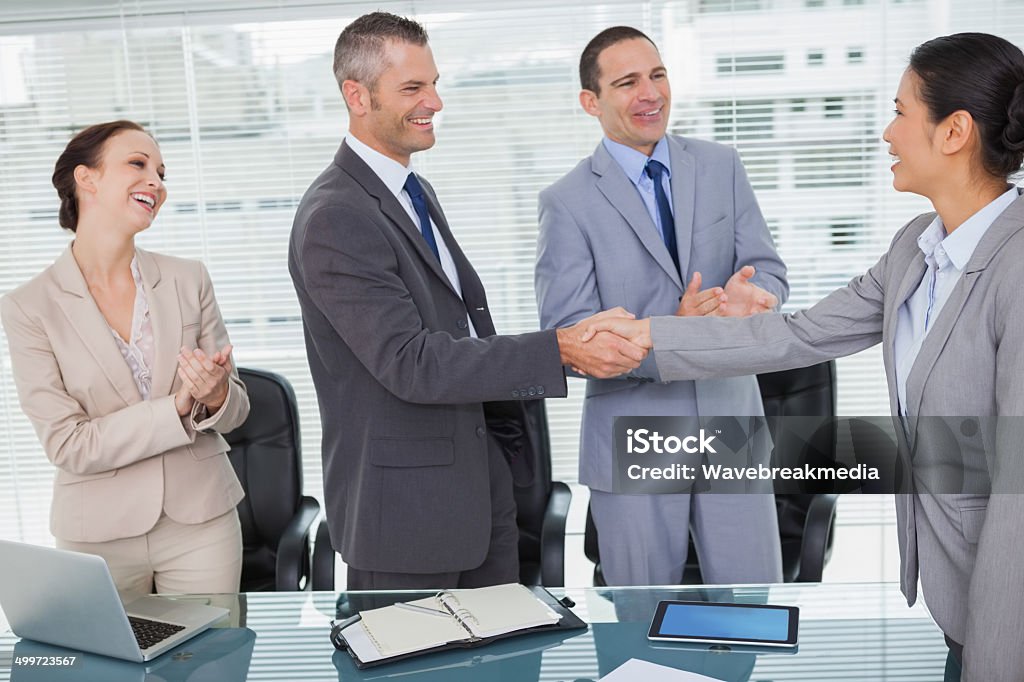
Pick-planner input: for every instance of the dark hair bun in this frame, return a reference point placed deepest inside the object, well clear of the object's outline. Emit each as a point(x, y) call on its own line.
point(1013, 133)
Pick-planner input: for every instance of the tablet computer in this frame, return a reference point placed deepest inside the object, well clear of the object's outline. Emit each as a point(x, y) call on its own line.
point(719, 623)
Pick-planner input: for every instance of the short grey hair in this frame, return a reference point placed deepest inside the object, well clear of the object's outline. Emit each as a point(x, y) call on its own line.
point(359, 52)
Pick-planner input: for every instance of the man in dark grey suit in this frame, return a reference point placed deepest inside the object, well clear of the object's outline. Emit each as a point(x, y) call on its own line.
point(401, 345)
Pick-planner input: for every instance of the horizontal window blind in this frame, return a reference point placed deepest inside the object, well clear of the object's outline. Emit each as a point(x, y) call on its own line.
point(241, 97)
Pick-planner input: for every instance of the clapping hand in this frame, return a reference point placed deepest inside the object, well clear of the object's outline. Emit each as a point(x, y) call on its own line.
point(697, 303)
point(205, 377)
point(744, 298)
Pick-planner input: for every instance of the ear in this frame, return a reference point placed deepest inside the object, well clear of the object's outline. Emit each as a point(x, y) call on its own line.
point(588, 100)
point(958, 130)
point(85, 178)
point(357, 97)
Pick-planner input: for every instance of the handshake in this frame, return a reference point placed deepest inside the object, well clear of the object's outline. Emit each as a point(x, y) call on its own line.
point(614, 342)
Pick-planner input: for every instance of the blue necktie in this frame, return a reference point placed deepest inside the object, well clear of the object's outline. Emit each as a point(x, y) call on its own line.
point(655, 170)
point(419, 203)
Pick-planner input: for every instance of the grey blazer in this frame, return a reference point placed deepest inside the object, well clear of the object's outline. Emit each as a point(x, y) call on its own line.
point(967, 549)
point(598, 248)
point(400, 382)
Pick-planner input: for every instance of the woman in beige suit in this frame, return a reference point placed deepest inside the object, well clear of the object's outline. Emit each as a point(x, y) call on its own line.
point(121, 361)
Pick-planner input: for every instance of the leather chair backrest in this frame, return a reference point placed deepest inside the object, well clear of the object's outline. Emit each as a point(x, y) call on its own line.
point(267, 457)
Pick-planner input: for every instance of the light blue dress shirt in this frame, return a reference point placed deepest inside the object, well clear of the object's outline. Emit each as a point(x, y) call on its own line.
point(393, 175)
point(633, 164)
point(945, 256)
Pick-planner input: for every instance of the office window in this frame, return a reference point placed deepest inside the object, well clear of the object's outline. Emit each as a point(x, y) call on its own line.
point(241, 97)
point(834, 107)
point(715, 6)
point(743, 120)
point(815, 57)
point(855, 56)
point(845, 232)
point(757, 63)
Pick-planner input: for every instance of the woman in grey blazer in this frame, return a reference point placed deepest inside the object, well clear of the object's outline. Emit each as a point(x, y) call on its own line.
point(121, 361)
point(944, 303)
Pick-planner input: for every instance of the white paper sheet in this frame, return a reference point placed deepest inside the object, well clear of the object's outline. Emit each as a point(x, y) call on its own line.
point(635, 669)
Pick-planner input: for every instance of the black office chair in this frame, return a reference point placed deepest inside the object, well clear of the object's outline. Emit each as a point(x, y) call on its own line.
point(277, 520)
point(806, 522)
point(542, 508)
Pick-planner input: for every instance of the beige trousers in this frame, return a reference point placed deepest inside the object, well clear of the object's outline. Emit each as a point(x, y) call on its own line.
point(173, 558)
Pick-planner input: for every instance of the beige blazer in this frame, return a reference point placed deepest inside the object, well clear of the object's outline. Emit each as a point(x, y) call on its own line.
point(121, 460)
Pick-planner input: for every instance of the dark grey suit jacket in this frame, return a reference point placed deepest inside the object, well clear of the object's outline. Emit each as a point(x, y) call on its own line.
point(400, 383)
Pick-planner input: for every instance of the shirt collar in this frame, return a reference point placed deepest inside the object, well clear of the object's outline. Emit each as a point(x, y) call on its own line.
point(633, 162)
point(390, 172)
point(960, 245)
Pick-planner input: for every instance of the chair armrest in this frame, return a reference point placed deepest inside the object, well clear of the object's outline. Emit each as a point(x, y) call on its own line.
point(323, 560)
point(293, 548)
point(552, 536)
point(815, 545)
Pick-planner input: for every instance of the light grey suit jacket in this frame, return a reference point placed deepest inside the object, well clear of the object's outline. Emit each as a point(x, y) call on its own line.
point(968, 549)
point(598, 248)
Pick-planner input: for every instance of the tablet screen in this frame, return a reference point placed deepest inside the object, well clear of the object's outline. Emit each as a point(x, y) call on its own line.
point(725, 622)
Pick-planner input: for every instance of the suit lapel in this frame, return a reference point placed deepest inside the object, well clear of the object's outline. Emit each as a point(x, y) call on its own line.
point(165, 316)
point(350, 162)
point(684, 187)
point(92, 328)
point(624, 198)
point(473, 295)
point(1005, 226)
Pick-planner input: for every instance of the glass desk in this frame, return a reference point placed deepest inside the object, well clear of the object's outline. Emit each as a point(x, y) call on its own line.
point(847, 632)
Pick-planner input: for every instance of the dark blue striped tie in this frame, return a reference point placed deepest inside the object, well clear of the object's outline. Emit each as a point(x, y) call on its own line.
point(655, 170)
point(419, 203)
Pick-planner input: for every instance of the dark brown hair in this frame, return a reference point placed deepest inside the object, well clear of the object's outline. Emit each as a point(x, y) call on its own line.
point(590, 73)
point(84, 149)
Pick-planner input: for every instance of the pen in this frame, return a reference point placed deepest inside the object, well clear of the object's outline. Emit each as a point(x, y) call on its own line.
point(422, 609)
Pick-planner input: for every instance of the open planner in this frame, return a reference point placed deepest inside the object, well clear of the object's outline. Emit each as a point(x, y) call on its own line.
point(453, 618)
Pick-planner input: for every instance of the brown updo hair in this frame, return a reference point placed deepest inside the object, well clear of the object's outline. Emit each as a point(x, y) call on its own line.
point(84, 149)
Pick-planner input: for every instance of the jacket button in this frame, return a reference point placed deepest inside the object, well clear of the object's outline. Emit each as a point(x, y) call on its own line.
point(480, 432)
point(461, 324)
point(540, 390)
point(515, 394)
point(533, 390)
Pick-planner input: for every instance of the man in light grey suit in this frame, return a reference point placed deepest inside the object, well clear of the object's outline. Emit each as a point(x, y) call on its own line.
point(628, 227)
point(401, 345)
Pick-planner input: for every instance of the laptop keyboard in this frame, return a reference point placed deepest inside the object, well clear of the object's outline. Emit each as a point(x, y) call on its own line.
point(150, 632)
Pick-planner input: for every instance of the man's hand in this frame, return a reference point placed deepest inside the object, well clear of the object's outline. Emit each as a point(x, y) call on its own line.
point(605, 355)
point(696, 302)
point(638, 332)
point(744, 298)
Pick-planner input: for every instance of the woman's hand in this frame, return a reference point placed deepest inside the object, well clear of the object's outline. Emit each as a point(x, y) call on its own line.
point(183, 400)
point(204, 377)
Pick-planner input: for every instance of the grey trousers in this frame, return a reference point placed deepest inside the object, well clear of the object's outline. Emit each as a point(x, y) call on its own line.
point(643, 539)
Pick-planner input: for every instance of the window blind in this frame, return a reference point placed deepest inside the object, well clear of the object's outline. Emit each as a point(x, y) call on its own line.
point(241, 97)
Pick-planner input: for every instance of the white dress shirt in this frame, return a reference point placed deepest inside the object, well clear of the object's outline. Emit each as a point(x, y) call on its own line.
point(393, 175)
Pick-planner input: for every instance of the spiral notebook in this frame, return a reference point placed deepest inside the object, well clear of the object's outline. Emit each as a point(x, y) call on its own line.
point(453, 618)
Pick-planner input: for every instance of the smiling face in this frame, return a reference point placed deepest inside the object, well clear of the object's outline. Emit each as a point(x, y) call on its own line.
point(127, 187)
point(914, 141)
point(396, 117)
point(635, 97)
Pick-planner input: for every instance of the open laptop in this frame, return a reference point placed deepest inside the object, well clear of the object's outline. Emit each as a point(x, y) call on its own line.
point(69, 599)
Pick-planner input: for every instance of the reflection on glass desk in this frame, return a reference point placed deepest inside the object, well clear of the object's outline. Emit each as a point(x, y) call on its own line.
point(847, 632)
